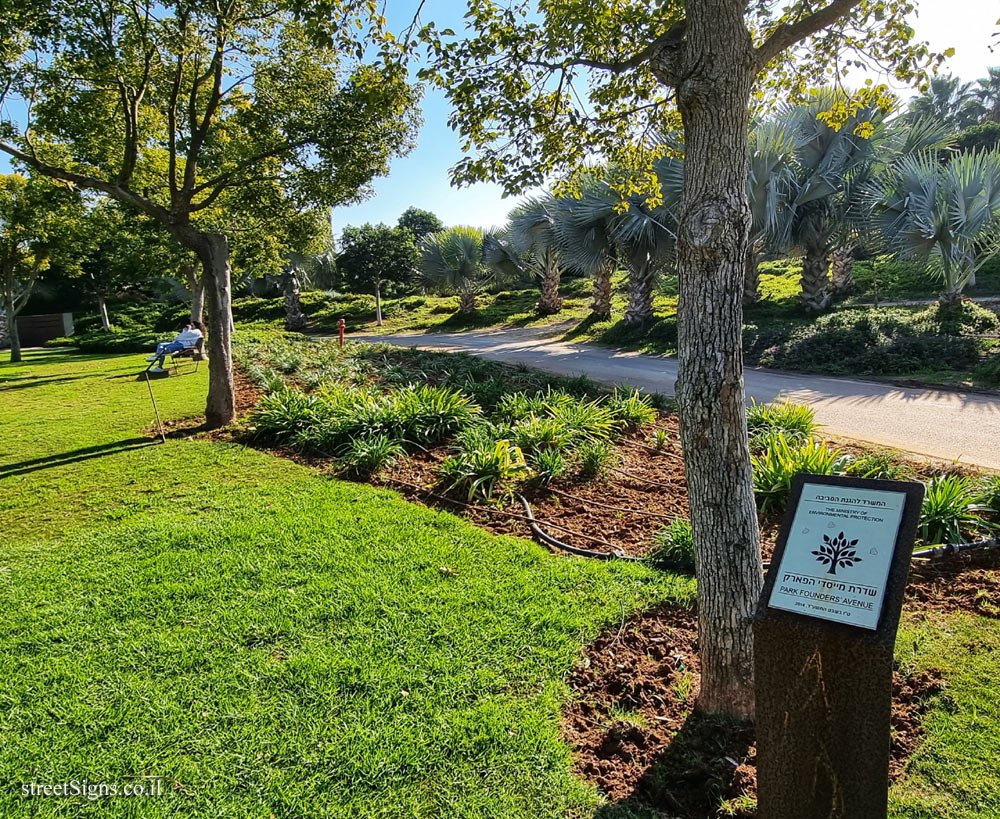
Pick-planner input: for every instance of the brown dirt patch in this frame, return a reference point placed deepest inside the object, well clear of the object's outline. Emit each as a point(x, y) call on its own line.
point(967, 582)
point(635, 737)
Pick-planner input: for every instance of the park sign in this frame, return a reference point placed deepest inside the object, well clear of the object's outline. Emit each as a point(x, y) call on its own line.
point(838, 552)
point(824, 634)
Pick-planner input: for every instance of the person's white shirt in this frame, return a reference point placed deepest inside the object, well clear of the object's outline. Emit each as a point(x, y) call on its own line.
point(189, 338)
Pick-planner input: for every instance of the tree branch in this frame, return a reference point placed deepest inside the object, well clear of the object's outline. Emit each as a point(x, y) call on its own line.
point(788, 34)
point(122, 194)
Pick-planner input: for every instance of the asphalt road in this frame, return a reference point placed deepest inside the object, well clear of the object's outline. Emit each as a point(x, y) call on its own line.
point(942, 424)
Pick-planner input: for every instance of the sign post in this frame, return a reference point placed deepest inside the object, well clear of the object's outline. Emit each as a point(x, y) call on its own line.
point(824, 635)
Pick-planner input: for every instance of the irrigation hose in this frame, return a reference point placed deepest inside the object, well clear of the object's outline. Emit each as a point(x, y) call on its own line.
point(543, 536)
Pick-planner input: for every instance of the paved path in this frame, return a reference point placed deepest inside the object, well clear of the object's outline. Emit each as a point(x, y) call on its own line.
point(942, 424)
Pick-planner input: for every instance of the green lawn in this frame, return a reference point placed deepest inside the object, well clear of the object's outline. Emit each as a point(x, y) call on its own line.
point(273, 642)
point(270, 641)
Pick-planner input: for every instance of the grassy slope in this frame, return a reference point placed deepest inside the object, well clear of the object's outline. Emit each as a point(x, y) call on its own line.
point(272, 641)
point(247, 629)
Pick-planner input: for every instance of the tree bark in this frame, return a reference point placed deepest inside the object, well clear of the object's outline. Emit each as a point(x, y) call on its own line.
point(466, 302)
point(751, 281)
point(842, 269)
point(600, 307)
point(550, 301)
point(713, 232)
point(378, 303)
point(13, 336)
point(816, 293)
point(213, 252)
point(102, 308)
point(197, 287)
point(640, 291)
point(295, 319)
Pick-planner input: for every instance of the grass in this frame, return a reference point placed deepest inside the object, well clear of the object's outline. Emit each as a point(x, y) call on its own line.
point(270, 641)
point(273, 642)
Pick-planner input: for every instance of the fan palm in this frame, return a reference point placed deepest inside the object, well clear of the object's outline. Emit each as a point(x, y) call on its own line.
point(532, 236)
point(770, 183)
point(946, 216)
point(988, 94)
point(583, 228)
point(451, 261)
point(948, 99)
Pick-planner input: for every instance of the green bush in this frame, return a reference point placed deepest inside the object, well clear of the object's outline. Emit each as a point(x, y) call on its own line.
point(674, 543)
point(428, 414)
point(546, 434)
point(870, 341)
point(595, 459)
point(548, 465)
point(480, 469)
point(369, 455)
point(797, 422)
point(284, 415)
point(950, 510)
point(776, 467)
point(880, 465)
point(630, 409)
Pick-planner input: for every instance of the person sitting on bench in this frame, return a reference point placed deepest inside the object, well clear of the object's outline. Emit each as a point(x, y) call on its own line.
point(186, 339)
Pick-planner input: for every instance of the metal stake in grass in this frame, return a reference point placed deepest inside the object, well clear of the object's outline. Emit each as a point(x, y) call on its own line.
point(152, 398)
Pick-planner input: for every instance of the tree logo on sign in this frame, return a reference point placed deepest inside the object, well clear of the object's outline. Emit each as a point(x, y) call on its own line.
point(837, 553)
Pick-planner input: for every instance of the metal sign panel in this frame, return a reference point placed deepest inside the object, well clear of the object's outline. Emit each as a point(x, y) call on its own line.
point(839, 550)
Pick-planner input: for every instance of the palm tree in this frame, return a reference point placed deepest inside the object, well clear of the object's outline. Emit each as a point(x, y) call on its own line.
point(989, 94)
point(770, 182)
point(532, 236)
point(451, 261)
point(944, 215)
point(583, 228)
point(948, 99)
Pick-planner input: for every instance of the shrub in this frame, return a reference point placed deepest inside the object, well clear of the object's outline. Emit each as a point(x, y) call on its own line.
point(776, 467)
point(660, 439)
point(285, 414)
point(548, 465)
point(586, 420)
point(369, 455)
point(950, 507)
point(480, 469)
point(630, 410)
point(595, 459)
point(674, 543)
point(880, 465)
point(534, 434)
point(796, 422)
point(990, 494)
point(429, 414)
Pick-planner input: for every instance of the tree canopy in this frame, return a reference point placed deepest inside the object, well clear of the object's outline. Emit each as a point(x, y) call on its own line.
point(193, 111)
point(420, 222)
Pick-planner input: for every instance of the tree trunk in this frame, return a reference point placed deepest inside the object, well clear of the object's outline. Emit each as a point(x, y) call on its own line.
point(378, 303)
point(842, 269)
point(12, 335)
point(751, 281)
point(600, 307)
point(102, 308)
point(550, 302)
point(640, 292)
point(213, 251)
point(816, 294)
point(197, 287)
point(295, 319)
point(466, 302)
point(712, 249)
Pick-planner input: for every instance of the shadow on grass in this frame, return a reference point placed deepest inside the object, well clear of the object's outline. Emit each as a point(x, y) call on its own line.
point(73, 456)
point(26, 382)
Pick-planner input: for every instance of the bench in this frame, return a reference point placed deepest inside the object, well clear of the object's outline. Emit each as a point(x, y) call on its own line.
point(196, 354)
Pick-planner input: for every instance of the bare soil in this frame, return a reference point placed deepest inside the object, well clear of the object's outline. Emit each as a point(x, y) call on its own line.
point(636, 738)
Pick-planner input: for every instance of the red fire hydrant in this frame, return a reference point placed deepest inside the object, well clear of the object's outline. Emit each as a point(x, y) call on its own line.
point(340, 331)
